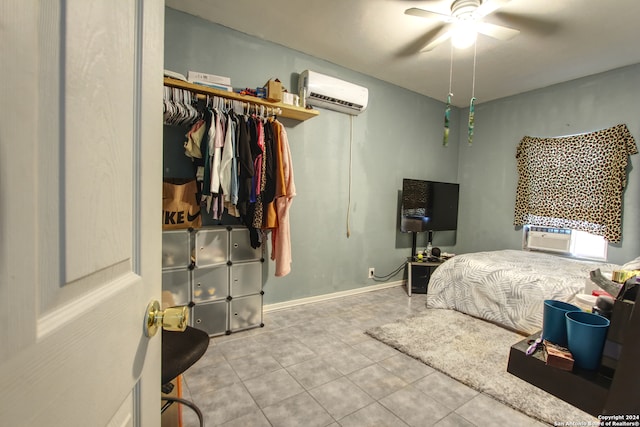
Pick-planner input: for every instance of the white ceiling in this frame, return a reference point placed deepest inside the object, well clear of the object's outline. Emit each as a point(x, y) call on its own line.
point(560, 40)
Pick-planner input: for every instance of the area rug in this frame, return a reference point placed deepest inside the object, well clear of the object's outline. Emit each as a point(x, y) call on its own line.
point(475, 353)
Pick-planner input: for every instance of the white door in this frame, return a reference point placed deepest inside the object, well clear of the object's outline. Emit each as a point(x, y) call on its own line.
point(80, 196)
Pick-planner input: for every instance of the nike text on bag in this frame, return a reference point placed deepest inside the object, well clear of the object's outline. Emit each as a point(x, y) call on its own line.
point(180, 208)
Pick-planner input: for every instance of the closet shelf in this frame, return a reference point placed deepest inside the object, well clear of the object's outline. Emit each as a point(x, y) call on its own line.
point(288, 111)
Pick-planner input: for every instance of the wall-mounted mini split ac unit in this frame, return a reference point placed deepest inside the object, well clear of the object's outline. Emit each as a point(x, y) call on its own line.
point(548, 239)
point(328, 92)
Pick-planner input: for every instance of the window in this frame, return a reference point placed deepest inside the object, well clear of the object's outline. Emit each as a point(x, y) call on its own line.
point(589, 246)
point(565, 241)
point(574, 182)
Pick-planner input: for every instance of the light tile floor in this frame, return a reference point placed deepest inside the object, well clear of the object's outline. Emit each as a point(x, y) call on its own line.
point(313, 365)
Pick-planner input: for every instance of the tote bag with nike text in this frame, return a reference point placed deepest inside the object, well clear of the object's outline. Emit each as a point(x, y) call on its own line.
point(180, 208)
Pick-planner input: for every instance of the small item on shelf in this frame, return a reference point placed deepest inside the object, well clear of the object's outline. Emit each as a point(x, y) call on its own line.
point(534, 345)
point(215, 86)
point(208, 79)
point(599, 293)
point(585, 302)
point(611, 287)
point(174, 75)
point(290, 99)
point(261, 92)
point(557, 356)
point(274, 90)
point(604, 306)
point(247, 91)
point(621, 276)
point(303, 97)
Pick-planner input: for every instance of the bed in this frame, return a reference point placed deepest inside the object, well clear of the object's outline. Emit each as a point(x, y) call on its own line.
point(508, 287)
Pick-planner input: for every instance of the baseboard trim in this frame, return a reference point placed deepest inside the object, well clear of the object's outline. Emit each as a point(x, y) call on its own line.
point(327, 297)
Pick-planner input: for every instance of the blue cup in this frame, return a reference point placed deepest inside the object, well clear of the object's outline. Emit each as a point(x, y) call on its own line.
point(586, 334)
point(554, 323)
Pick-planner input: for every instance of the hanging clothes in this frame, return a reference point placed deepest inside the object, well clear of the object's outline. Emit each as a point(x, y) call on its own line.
point(260, 180)
point(285, 192)
point(256, 139)
point(226, 162)
point(218, 143)
point(244, 168)
point(206, 175)
point(246, 175)
point(271, 221)
point(269, 191)
point(229, 169)
point(194, 139)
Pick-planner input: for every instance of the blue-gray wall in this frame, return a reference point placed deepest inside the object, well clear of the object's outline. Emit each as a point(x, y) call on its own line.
point(398, 136)
point(487, 169)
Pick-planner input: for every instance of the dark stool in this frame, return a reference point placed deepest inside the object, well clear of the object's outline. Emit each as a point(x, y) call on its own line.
point(180, 350)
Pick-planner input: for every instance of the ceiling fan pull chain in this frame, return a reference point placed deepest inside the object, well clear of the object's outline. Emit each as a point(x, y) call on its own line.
point(447, 111)
point(447, 115)
point(473, 96)
point(471, 119)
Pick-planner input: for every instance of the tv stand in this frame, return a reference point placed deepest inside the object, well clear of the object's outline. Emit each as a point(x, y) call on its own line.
point(414, 236)
point(419, 274)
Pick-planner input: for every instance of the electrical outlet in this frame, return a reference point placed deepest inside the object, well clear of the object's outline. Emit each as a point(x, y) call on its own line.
point(371, 271)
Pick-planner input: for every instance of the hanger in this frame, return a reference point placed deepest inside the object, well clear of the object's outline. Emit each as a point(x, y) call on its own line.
point(238, 107)
point(167, 107)
point(193, 112)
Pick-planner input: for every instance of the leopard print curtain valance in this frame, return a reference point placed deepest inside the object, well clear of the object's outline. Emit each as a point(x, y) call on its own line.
point(575, 181)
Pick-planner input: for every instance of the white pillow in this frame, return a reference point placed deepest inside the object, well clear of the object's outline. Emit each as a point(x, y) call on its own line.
point(632, 265)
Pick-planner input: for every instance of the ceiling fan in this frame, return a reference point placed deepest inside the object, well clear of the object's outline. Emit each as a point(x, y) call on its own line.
point(464, 23)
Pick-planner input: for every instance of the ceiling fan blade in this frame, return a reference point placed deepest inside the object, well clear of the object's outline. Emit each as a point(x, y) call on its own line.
point(418, 45)
point(414, 11)
point(496, 31)
point(527, 24)
point(440, 37)
point(487, 7)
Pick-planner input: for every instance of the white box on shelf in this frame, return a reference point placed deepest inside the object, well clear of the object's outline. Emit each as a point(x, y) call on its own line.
point(198, 77)
point(290, 99)
point(214, 85)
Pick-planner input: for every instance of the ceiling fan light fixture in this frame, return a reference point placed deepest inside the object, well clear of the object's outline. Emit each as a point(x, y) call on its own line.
point(463, 24)
point(464, 35)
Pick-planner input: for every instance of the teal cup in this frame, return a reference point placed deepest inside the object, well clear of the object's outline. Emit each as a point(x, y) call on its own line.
point(554, 323)
point(586, 334)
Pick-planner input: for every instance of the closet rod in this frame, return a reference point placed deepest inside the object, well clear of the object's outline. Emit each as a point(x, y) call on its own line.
point(288, 111)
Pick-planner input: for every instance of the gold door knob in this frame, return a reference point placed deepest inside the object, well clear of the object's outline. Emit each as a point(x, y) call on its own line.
point(171, 319)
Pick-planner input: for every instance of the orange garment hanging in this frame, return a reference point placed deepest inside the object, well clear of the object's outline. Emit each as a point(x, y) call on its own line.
point(285, 192)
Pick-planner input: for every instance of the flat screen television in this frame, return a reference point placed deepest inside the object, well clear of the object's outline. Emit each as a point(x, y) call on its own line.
point(429, 206)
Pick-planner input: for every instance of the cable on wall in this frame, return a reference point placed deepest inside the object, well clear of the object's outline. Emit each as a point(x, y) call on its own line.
point(393, 273)
point(350, 173)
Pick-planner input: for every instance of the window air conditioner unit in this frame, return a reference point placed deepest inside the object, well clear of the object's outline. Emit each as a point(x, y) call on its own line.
point(328, 92)
point(553, 240)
